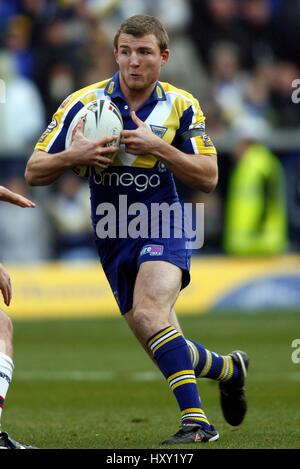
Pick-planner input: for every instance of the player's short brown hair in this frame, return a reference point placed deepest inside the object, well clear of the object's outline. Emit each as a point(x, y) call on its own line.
point(141, 25)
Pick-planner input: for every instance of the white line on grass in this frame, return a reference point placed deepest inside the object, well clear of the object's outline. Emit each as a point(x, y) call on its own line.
point(78, 375)
point(295, 376)
point(138, 376)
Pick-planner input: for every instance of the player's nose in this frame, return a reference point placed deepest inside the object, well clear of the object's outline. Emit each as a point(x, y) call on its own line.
point(134, 60)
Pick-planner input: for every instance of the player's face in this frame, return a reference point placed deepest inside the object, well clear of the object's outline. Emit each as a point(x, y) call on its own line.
point(140, 60)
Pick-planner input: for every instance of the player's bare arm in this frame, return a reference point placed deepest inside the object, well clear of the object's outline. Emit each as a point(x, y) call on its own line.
point(44, 168)
point(5, 285)
point(199, 173)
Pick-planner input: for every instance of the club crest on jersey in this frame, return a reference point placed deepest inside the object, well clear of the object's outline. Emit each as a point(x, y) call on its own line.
point(152, 250)
point(158, 131)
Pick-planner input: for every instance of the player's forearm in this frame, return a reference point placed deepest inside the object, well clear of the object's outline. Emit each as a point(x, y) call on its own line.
point(199, 172)
point(43, 169)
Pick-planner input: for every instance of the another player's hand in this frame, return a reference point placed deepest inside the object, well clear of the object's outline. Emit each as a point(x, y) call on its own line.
point(140, 141)
point(14, 198)
point(5, 285)
point(91, 152)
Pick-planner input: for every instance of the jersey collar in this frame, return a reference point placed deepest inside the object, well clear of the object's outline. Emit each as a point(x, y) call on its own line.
point(113, 90)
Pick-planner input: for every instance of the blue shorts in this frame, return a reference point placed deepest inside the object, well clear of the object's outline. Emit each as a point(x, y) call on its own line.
point(122, 263)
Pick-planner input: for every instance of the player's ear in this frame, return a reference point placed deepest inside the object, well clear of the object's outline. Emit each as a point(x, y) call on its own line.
point(165, 56)
point(116, 56)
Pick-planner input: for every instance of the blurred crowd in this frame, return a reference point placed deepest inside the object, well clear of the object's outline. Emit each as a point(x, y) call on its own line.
point(238, 57)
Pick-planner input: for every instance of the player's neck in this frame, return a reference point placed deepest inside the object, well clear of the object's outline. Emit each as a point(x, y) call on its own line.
point(136, 98)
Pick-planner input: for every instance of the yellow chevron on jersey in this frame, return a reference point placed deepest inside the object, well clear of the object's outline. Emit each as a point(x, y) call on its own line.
point(171, 113)
point(84, 95)
point(202, 143)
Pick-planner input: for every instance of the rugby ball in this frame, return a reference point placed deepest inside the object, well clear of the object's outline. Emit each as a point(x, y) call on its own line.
point(101, 118)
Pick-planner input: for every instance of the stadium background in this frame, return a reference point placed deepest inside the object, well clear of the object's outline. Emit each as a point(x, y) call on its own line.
point(240, 59)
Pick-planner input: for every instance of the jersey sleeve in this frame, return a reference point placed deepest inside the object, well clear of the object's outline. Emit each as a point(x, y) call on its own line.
point(53, 139)
point(191, 136)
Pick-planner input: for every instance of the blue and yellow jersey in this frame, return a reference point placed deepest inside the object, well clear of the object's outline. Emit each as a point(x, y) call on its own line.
point(172, 114)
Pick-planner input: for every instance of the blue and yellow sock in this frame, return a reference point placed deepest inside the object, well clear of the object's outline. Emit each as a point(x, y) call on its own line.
point(208, 364)
point(172, 355)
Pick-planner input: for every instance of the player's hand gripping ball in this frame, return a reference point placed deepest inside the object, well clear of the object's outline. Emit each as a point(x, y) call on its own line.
point(101, 118)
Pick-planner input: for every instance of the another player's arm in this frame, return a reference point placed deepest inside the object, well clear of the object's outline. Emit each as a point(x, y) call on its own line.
point(5, 285)
point(7, 195)
point(199, 173)
point(44, 168)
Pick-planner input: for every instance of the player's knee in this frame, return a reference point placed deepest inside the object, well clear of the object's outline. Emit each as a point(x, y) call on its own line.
point(148, 321)
point(6, 326)
point(142, 318)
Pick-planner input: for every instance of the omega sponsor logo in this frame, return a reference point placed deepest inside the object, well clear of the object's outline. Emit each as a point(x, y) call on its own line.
point(141, 182)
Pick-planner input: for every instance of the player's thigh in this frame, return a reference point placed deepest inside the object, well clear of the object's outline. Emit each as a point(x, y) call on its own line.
point(157, 286)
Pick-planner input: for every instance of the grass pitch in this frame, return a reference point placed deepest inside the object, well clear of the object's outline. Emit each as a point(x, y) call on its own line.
point(88, 384)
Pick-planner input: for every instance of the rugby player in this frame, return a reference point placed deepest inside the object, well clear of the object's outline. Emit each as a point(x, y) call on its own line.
point(164, 134)
point(6, 327)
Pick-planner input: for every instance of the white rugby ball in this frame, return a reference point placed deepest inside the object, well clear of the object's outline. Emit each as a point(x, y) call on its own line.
point(102, 118)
